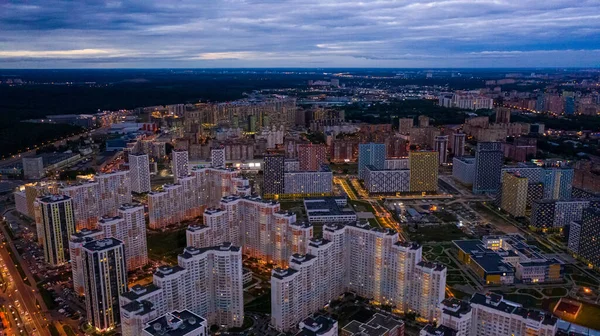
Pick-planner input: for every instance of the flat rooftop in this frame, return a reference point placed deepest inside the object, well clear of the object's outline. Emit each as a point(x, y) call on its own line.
point(177, 323)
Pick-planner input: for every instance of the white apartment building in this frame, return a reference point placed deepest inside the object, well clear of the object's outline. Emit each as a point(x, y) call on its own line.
point(216, 183)
point(177, 323)
point(494, 316)
point(76, 243)
point(217, 221)
point(180, 164)
point(355, 257)
point(455, 314)
point(206, 281)
point(134, 224)
point(115, 189)
point(198, 236)
point(165, 207)
point(86, 202)
point(105, 278)
point(139, 169)
point(308, 183)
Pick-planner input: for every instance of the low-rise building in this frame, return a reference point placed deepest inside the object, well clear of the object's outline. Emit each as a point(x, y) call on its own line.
point(329, 210)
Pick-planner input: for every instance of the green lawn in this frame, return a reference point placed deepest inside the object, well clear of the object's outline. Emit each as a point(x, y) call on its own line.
point(584, 279)
point(287, 205)
point(556, 291)
point(437, 233)
point(69, 331)
point(530, 291)
point(261, 304)
point(166, 246)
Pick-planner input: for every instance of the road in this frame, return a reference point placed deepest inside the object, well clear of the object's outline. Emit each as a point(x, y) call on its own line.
point(25, 294)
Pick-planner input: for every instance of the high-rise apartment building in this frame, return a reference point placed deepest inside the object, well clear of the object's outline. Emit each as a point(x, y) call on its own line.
point(355, 257)
point(406, 125)
point(199, 236)
point(441, 146)
point(165, 207)
point(455, 314)
point(207, 281)
point(134, 235)
point(273, 177)
point(514, 194)
point(76, 243)
point(387, 181)
point(502, 115)
point(555, 214)
point(458, 144)
point(311, 157)
point(212, 184)
point(115, 189)
point(423, 121)
point(309, 183)
point(558, 183)
point(589, 248)
point(423, 171)
point(463, 169)
point(105, 278)
point(488, 164)
point(217, 157)
point(86, 202)
point(370, 154)
point(180, 164)
point(55, 222)
point(139, 171)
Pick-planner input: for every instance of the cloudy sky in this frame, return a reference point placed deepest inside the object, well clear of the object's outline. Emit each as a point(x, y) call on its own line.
point(306, 33)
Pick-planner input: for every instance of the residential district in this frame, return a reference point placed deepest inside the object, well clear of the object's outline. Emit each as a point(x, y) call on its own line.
point(280, 214)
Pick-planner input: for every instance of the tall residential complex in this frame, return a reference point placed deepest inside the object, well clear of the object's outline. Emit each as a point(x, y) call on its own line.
point(463, 169)
point(488, 164)
point(115, 189)
point(207, 281)
point(370, 154)
point(589, 236)
point(139, 169)
point(458, 144)
point(176, 323)
point(558, 183)
point(217, 157)
point(105, 278)
point(180, 164)
point(405, 125)
point(355, 257)
point(502, 115)
point(386, 181)
point(555, 214)
point(273, 177)
point(216, 183)
point(311, 157)
point(33, 168)
point(514, 194)
point(76, 243)
point(309, 183)
point(165, 206)
point(441, 146)
point(85, 196)
point(55, 223)
point(423, 171)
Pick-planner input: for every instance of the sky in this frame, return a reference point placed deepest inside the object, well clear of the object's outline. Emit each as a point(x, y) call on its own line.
point(307, 33)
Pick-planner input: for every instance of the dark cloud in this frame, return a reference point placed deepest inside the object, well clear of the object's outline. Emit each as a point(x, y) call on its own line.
point(390, 33)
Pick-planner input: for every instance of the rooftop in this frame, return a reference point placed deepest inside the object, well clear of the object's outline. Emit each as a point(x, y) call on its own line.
point(177, 323)
point(102, 244)
point(440, 330)
point(138, 291)
point(318, 325)
point(54, 198)
point(191, 251)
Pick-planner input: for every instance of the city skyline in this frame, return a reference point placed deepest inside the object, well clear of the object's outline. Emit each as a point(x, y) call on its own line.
point(151, 34)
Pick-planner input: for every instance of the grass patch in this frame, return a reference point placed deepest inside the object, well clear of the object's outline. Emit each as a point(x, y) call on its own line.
point(53, 330)
point(556, 291)
point(166, 246)
point(374, 222)
point(47, 297)
point(287, 205)
point(438, 233)
point(261, 304)
point(584, 278)
point(460, 294)
point(69, 331)
point(532, 292)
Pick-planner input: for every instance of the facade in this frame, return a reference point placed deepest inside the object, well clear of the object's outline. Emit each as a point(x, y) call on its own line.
point(509, 318)
point(555, 214)
point(274, 175)
point(514, 194)
point(177, 323)
point(139, 169)
point(217, 157)
point(370, 154)
point(309, 183)
point(76, 243)
point(180, 163)
point(318, 326)
point(424, 171)
point(386, 181)
point(115, 189)
point(311, 157)
point(212, 184)
point(558, 183)
point(133, 235)
point(441, 146)
point(456, 315)
point(33, 168)
point(502, 115)
point(355, 257)
point(589, 249)
point(206, 281)
point(105, 278)
point(86, 203)
point(488, 164)
point(463, 169)
point(165, 206)
point(198, 236)
point(55, 223)
point(406, 125)
point(397, 164)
